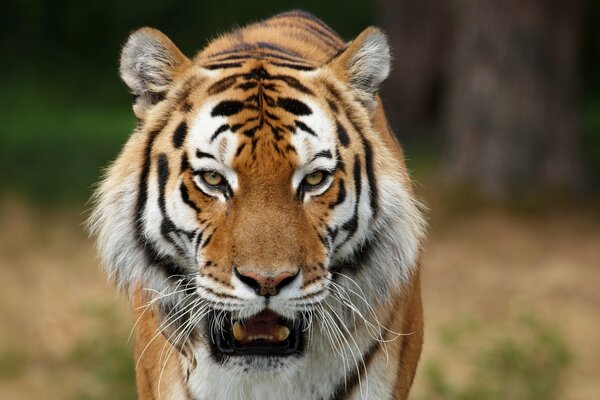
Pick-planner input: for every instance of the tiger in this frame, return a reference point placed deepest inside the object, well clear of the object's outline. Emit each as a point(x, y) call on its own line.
point(261, 219)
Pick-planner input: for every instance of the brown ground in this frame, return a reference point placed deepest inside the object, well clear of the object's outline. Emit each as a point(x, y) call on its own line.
point(487, 265)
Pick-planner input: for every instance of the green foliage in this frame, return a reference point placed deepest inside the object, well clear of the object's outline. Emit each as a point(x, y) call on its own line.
point(52, 147)
point(525, 362)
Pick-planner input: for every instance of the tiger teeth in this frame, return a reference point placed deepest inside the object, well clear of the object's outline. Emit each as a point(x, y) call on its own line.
point(239, 332)
point(282, 333)
point(241, 335)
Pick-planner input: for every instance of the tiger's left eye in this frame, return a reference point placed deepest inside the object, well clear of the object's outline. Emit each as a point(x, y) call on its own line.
point(315, 178)
point(212, 178)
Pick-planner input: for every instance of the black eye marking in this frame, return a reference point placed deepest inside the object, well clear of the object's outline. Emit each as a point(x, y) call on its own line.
point(201, 154)
point(293, 106)
point(322, 154)
point(227, 108)
point(302, 126)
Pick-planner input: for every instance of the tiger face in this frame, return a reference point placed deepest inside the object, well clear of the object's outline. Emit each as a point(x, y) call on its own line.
point(254, 194)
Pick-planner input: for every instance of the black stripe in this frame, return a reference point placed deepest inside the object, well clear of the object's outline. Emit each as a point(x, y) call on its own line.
point(201, 154)
point(222, 85)
point(322, 154)
point(342, 134)
point(373, 193)
point(207, 241)
point(243, 56)
point(293, 106)
point(219, 130)
point(301, 125)
point(222, 66)
point(271, 116)
point(251, 131)
point(238, 48)
point(239, 149)
point(247, 85)
point(163, 177)
point(185, 164)
point(274, 47)
point(340, 162)
point(341, 195)
point(167, 227)
point(227, 108)
point(294, 66)
point(179, 134)
point(142, 187)
point(152, 256)
point(332, 105)
point(352, 224)
point(293, 82)
point(265, 54)
point(235, 127)
point(185, 196)
point(348, 384)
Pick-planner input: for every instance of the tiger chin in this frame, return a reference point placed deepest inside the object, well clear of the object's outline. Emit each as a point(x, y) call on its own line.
point(261, 219)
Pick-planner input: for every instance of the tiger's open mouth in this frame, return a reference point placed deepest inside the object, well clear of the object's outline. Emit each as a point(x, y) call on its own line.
point(265, 334)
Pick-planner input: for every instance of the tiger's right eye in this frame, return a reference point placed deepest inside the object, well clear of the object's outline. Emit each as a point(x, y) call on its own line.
point(315, 178)
point(212, 178)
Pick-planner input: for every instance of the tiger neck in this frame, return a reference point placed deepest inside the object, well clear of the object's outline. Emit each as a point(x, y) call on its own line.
point(322, 373)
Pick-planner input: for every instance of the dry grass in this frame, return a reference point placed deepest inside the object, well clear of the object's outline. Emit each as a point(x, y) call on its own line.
point(491, 266)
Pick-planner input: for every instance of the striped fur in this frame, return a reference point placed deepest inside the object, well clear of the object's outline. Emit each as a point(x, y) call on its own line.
point(264, 106)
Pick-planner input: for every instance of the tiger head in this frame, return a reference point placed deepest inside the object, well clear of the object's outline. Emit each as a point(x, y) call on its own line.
point(255, 191)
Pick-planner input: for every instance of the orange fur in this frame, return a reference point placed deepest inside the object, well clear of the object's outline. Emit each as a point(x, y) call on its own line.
point(286, 236)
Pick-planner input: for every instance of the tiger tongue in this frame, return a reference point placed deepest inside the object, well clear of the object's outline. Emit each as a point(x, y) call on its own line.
point(263, 326)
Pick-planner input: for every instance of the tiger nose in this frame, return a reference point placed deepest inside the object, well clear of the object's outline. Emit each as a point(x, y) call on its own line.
point(265, 285)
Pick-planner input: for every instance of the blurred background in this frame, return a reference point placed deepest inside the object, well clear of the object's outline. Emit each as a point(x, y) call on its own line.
point(496, 102)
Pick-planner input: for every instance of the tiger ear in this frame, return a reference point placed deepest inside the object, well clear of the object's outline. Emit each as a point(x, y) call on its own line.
point(149, 63)
point(364, 64)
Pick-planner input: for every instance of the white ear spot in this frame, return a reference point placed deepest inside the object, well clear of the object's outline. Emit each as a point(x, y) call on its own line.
point(148, 61)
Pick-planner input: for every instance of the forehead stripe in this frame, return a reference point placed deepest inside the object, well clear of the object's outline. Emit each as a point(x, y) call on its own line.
point(294, 66)
point(222, 66)
point(293, 106)
point(227, 108)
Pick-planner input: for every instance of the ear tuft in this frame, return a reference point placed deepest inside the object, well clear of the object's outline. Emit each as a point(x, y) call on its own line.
point(365, 63)
point(149, 61)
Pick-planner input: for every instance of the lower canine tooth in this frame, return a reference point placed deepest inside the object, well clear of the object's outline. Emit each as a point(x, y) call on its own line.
point(239, 332)
point(282, 333)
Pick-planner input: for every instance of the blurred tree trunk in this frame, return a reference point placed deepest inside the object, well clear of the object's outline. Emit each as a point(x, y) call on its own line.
point(511, 110)
point(419, 35)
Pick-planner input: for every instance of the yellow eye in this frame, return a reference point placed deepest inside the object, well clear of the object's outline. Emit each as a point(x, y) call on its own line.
point(212, 178)
point(315, 178)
